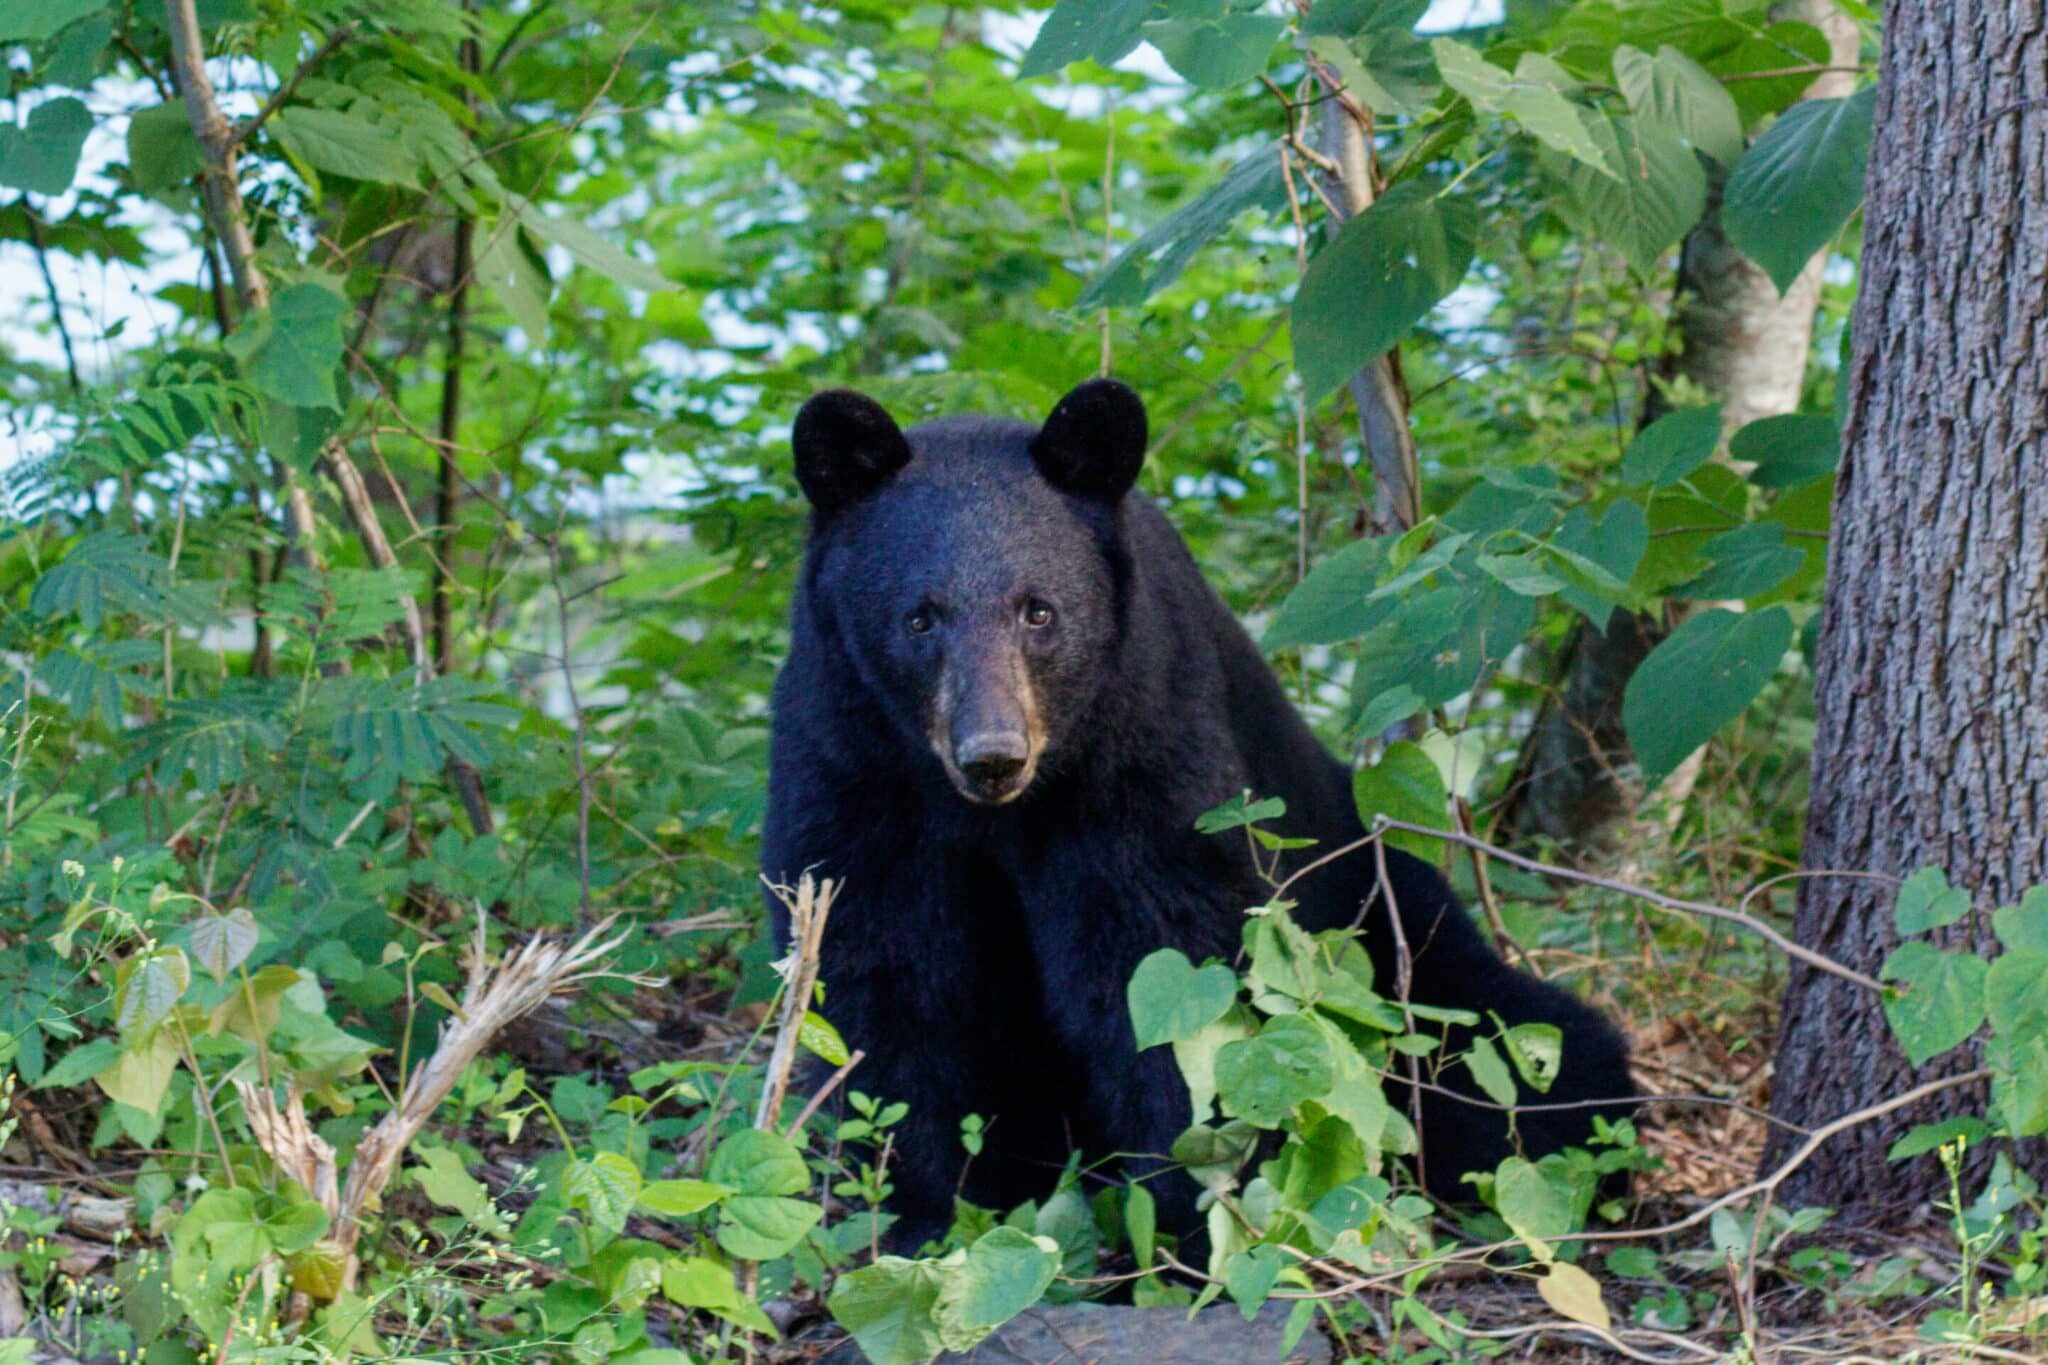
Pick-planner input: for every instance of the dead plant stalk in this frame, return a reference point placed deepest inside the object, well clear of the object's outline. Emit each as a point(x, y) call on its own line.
point(808, 902)
point(494, 996)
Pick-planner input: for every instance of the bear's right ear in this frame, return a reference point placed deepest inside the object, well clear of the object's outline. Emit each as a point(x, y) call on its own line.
point(846, 447)
point(1093, 444)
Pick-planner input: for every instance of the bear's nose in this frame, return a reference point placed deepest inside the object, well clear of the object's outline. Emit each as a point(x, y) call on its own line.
point(990, 760)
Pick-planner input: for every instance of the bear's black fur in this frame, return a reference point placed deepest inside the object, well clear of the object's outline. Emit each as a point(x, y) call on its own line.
point(1008, 695)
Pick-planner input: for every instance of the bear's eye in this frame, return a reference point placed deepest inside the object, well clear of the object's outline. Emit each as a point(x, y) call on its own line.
point(920, 621)
point(1037, 614)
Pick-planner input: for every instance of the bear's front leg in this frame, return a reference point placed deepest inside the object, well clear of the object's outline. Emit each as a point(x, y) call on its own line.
point(910, 1057)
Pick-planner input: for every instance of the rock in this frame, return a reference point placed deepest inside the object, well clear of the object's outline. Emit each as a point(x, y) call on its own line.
point(1094, 1334)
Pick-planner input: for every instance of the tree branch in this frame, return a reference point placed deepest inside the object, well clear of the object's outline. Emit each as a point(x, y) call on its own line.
point(37, 240)
point(1382, 824)
point(221, 191)
point(246, 129)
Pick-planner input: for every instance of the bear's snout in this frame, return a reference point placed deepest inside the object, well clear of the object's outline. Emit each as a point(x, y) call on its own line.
point(993, 762)
point(985, 726)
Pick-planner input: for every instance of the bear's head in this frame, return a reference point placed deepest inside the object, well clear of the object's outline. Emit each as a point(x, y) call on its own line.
point(972, 568)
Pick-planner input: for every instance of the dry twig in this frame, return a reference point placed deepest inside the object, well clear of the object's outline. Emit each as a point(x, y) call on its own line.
point(808, 902)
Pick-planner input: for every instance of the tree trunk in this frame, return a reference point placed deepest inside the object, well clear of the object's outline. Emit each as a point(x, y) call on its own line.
point(1742, 343)
point(1932, 675)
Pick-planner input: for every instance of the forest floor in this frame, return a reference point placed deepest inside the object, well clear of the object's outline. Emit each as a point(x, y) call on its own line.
point(1865, 1296)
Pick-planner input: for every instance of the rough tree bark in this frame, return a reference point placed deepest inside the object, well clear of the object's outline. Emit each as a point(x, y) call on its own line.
point(1739, 341)
point(1932, 682)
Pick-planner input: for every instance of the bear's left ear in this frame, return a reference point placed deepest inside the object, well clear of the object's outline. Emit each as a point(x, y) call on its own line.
point(846, 446)
point(1093, 444)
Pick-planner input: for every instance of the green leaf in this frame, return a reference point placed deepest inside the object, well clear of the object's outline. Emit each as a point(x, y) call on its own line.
point(74, 57)
point(1404, 785)
point(291, 351)
point(1747, 562)
point(756, 1227)
point(1537, 1050)
point(1356, 1095)
point(1673, 446)
point(593, 249)
point(1798, 183)
point(80, 1064)
point(2024, 927)
point(212, 737)
point(1681, 96)
point(1007, 1271)
point(1386, 710)
point(1157, 257)
point(1534, 96)
point(1576, 1295)
point(1332, 602)
point(1373, 46)
point(1614, 546)
point(146, 989)
point(391, 731)
point(1262, 1079)
point(2019, 1087)
point(754, 1161)
point(42, 155)
point(1925, 1137)
point(31, 21)
point(139, 1076)
point(1788, 450)
point(1195, 1056)
point(222, 942)
point(1784, 46)
point(1525, 574)
point(1283, 956)
point(296, 1226)
point(1238, 812)
point(605, 1187)
point(1651, 195)
point(162, 152)
point(1483, 1060)
point(344, 144)
point(1141, 1224)
point(679, 1198)
point(889, 1307)
point(1701, 677)
point(1926, 901)
point(701, 1282)
point(1538, 1208)
point(1250, 1275)
point(2016, 994)
point(1943, 1003)
point(503, 267)
point(758, 1221)
point(442, 1178)
point(1387, 268)
point(106, 571)
point(1170, 999)
point(819, 1038)
point(1218, 49)
point(1104, 31)
point(252, 1012)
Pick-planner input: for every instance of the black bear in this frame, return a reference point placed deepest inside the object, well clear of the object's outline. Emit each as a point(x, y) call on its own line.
point(1009, 694)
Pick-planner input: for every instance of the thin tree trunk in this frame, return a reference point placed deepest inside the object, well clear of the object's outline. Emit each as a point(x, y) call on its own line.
point(448, 486)
point(228, 216)
point(1739, 341)
point(1377, 391)
point(1933, 655)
